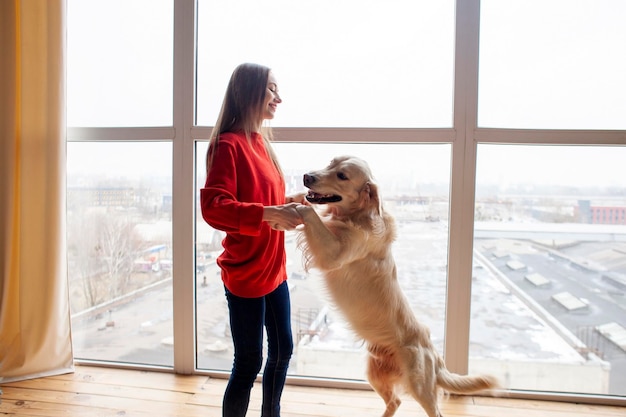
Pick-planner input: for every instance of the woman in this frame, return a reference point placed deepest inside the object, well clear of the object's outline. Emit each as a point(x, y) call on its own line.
point(244, 196)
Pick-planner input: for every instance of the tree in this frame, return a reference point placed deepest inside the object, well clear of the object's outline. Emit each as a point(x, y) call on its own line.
point(102, 247)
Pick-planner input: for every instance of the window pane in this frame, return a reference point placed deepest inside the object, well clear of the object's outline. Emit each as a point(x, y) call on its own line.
point(119, 63)
point(338, 63)
point(119, 237)
point(552, 64)
point(414, 183)
point(549, 268)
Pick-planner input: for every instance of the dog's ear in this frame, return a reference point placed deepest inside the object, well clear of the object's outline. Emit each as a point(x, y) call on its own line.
point(371, 198)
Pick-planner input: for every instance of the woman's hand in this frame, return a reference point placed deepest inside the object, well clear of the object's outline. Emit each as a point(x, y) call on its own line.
point(297, 198)
point(284, 217)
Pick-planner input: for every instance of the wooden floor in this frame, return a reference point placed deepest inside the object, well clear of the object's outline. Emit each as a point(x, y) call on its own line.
point(99, 392)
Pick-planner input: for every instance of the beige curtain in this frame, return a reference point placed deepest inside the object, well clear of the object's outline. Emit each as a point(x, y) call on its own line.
point(35, 338)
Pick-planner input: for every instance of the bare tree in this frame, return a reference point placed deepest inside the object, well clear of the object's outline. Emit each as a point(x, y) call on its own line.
point(83, 243)
point(102, 247)
point(117, 249)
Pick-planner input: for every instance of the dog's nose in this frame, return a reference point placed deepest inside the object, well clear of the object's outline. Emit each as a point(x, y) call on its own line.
point(308, 179)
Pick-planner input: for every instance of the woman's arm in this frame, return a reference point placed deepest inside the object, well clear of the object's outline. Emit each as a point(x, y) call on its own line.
point(284, 217)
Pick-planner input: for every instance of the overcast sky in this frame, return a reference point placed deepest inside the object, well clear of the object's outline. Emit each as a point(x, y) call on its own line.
point(366, 63)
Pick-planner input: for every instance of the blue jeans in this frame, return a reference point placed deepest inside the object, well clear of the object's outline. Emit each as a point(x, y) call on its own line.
point(247, 318)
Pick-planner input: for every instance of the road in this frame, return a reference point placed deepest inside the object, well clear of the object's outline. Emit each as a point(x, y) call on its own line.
point(606, 303)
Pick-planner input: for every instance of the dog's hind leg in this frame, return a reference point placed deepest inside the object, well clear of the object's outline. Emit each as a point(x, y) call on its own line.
point(420, 378)
point(383, 375)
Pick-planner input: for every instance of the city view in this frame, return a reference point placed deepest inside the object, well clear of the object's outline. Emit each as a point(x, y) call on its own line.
point(547, 285)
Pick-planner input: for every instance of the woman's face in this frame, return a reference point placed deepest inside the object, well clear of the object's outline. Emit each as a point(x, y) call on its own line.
point(271, 97)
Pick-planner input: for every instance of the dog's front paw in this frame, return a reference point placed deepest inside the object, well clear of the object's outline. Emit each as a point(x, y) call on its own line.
point(305, 211)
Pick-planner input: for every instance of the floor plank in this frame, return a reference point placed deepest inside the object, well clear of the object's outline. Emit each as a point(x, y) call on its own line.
point(108, 392)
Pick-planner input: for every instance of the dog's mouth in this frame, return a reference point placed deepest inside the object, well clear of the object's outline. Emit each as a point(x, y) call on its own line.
point(316, 198)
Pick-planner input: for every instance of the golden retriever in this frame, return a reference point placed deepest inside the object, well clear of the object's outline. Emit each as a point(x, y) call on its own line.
point(351, 245)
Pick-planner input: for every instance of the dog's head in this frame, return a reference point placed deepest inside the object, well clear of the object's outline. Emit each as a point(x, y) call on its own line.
point(346, 185)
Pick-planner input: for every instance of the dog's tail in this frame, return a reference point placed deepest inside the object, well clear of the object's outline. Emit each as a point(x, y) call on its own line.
point(464, 384)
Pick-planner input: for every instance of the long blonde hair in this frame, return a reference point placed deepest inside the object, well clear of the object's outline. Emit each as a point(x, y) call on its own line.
point(242, 108)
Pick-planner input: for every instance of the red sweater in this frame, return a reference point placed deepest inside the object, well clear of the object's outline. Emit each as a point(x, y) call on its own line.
point(242, 179)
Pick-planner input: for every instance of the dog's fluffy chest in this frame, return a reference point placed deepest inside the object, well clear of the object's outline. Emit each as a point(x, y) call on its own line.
point(361, 283)
point(373, 304)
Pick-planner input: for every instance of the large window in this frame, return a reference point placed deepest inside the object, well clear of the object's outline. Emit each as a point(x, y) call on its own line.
point(511, 222)
point(119, 190)
point(119, 222)
point(120, 63)
point(339, 63)
point(552, 64)
point(416, 184)
point(548, 287)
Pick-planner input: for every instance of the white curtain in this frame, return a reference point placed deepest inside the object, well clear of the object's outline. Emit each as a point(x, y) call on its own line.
point(35, 337)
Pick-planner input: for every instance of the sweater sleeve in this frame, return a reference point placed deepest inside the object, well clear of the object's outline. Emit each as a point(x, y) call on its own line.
point(222, 201)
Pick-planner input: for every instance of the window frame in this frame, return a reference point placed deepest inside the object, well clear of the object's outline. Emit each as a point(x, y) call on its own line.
point(464, 136)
